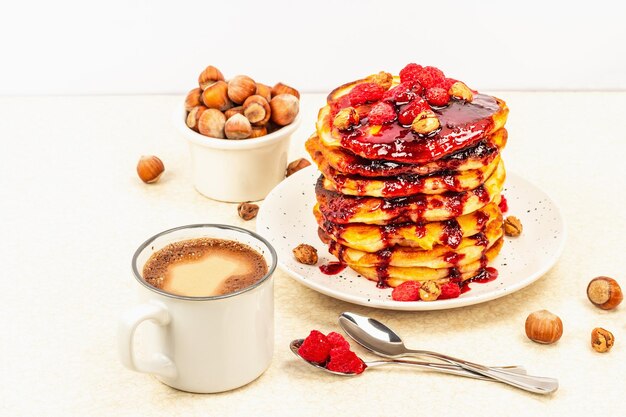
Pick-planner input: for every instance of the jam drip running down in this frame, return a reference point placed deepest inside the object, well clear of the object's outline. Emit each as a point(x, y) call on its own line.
point(452, 233)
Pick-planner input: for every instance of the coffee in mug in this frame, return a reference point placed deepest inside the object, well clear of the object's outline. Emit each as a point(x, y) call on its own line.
point(204, 267)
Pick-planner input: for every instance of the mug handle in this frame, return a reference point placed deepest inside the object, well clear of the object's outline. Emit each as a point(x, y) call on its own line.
point(159, 364)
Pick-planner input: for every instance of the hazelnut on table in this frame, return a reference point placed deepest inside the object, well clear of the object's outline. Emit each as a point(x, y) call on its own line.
point(544, 327)
point(247, 211)
point(604, 293)
point(602, 340)
point(150, 168)
point(297, 165)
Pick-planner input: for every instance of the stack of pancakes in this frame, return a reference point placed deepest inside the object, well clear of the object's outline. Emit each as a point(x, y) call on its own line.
point(398, 205)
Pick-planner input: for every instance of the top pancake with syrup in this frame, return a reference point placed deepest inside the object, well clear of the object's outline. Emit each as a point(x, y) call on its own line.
point(462, 123)
point(345, 162)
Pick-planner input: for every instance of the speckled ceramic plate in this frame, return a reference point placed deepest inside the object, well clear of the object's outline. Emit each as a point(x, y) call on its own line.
point(286, 220)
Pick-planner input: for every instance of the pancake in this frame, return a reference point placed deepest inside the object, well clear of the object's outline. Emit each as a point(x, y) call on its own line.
point(342, 209)
point(345, 162)
point(462, 125)
point(411, 177)
point(470, 249)
point(394, 276)
point(406, 185)
point(372, 238)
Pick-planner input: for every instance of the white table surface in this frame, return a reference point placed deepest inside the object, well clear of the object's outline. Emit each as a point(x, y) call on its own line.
point(73, 211)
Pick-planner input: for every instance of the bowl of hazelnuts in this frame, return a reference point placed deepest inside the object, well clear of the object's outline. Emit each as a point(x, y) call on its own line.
point(238, 131)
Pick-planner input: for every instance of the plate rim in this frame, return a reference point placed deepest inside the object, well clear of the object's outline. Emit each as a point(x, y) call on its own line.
point(420, 305)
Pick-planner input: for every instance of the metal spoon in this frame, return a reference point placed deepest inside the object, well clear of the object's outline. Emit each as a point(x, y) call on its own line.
point(437, 367)
point(380, 339)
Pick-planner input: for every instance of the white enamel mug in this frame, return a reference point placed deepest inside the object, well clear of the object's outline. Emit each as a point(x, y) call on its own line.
point(202, 344)
point(237, 170)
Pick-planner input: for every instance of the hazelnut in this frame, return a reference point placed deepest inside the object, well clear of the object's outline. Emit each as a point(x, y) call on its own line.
point(193, 99)
point(544, 327)
point(426, 122)
point(211, 123)
point(284, 108)
point(281, 88)
point(305, 254)
point(209, 76)
point(233, 111)
point(512, 226)
point(604, 292)
point(258, 131)
point(150, 168)
point(296, 166)
point(462, 91)
point(383, 79)
point(264, 91)
point(257, 110)
point(363, 110)
point(247, 211)
point(345, 118)
point(193, 116)
point(215, 96)
point(237, 127)
point(240, 88)
point(602, 340)
point(429, 291)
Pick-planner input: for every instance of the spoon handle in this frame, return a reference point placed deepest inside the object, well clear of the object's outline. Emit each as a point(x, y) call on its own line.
point(441, 368)
point(536, 384)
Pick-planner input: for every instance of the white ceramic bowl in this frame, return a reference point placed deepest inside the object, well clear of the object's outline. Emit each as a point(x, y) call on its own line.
point(237, 170)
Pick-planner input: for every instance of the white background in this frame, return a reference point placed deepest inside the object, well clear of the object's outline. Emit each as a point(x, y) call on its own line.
point(117, 47)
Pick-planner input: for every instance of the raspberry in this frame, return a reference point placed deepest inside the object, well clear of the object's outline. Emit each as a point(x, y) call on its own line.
point(437, 96)
point(410, 72)
point(407, 291)
point(315, 347)
point(403, 92)
point(336, 340)
point(447, 83)
point(345, 361)
point(449, 290)
point(382, 113)
point(504, 205)
point(365, 92)
point(410, 112)
point(430, 77)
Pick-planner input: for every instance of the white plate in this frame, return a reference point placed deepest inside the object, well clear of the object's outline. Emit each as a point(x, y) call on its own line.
point(286, 220)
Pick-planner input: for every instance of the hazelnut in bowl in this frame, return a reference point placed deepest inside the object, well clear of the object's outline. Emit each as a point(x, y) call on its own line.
point(238, 133)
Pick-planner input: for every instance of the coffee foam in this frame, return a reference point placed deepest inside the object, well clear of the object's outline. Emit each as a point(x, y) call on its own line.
point(204, 267)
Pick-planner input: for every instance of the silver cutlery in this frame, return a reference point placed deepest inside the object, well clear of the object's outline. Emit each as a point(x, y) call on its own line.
point(381, 340)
